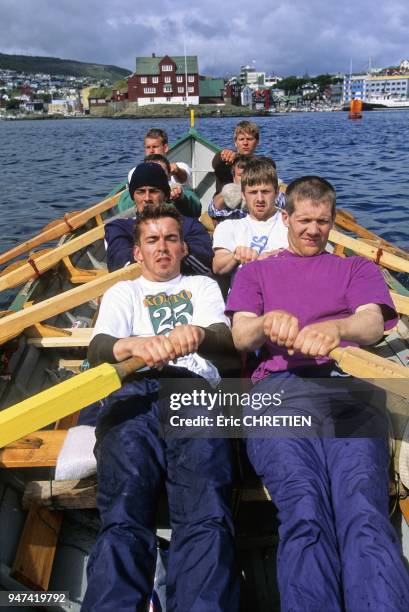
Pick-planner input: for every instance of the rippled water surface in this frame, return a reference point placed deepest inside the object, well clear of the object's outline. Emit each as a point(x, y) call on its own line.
point(50, 167)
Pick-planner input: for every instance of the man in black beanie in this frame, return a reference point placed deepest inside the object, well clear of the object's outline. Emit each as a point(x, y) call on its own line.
point(149, 187)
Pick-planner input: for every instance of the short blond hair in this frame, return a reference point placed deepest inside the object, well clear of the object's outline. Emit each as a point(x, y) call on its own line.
point(247, 127)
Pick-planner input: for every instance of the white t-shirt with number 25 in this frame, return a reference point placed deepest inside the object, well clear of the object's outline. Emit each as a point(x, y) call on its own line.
point(146, 308)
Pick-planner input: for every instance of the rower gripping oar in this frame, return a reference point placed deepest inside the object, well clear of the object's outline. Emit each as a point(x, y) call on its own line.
point(94, 384)
point(64, 399)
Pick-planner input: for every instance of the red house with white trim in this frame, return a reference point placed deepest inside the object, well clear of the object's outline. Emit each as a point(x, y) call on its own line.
point(164, 80)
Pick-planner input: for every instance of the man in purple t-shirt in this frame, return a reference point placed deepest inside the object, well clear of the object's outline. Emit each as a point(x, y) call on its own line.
point(330, 484)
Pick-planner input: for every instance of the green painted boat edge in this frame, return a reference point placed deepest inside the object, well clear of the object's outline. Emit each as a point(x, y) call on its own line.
point(193, 134)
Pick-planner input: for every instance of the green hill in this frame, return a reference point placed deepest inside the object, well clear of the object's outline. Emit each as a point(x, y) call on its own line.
point(55, 65)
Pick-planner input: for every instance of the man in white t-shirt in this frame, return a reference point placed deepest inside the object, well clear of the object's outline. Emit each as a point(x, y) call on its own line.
point(173, 323)
point(261, 232)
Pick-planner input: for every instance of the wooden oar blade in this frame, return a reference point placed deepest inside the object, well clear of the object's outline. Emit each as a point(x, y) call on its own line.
point(57, 402)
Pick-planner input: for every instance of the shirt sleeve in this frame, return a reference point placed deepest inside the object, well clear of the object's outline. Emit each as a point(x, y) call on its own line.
point(119, 243)
point(188, 171)
point(223, 236)
point(117, 312)
point(188, 204)
point(225, 213)
point(209, 304)
point(199, 244)
point(367, 286)
point(246, 293)
point(222, 172)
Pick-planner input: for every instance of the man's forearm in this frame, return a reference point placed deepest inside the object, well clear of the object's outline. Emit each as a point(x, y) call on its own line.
point(248, 332)
point(224, 261)
point(364, 327)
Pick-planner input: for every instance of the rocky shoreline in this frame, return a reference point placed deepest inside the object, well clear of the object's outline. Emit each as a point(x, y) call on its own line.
point(159, 111)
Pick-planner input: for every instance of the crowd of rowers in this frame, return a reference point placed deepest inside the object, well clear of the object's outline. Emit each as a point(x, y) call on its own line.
point(289, 303)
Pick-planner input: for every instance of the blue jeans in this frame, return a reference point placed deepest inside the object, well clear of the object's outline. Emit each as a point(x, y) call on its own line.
point(337, 547)
point(133, 463)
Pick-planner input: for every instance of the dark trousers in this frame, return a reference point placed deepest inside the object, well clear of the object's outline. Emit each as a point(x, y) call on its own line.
point(337, 547)
point(133, 463)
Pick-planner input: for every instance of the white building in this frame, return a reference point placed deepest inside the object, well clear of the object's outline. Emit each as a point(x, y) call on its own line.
point(246, 96)
point(369, 88)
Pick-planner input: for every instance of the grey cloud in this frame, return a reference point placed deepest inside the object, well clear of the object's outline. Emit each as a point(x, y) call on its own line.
point(282, 37)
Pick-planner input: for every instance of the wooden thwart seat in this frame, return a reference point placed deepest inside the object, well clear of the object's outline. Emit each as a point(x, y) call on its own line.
point(40, 449)
point(81, 494)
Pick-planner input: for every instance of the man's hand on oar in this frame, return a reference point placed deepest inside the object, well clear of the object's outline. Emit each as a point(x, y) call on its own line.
point(95, 384)
point(157, 351)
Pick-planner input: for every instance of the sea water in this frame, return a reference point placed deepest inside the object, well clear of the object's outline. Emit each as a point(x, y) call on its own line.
point(51, 167)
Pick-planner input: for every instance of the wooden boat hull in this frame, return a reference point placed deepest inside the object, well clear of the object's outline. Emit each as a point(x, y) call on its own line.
point(31, 364)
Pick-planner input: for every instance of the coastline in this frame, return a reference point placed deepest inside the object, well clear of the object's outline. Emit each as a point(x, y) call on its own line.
point(159, 111)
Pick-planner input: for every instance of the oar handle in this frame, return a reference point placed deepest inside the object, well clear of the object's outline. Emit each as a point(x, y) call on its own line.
point(124, 368)
point(336, 353)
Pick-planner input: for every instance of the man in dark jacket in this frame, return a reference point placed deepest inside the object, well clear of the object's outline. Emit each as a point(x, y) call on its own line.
point(246, 137)
point(149, 186)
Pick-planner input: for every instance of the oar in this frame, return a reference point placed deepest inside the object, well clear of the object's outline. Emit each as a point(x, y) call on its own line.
point(13, 324)
point(63, 399)
point(59, 228)
point(398, 264)
point(381, 372)
point(84, 389)
point(347, 222)
point(25, 271)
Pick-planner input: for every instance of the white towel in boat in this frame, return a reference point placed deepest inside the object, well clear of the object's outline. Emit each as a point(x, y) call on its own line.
point(76, 459)
point(404, 458)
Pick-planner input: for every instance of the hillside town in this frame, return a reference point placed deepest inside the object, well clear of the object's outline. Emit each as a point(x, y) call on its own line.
point(176, 80)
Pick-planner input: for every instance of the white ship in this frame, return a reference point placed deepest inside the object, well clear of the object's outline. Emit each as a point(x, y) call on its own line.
point(385, 102)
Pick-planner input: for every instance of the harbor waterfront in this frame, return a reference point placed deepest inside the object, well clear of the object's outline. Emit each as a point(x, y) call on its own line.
point(48, 168)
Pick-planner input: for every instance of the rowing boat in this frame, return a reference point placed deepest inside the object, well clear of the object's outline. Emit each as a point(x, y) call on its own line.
point(44, 337)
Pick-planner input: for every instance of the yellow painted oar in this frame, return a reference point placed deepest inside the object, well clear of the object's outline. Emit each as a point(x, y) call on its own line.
point(91, 386)
point(63, 399)
point(61, 227)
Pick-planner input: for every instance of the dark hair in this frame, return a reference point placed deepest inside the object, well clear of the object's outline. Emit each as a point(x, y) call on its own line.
point(267, 160)
point(312, 188)
point(156, 158)
point(157, 133)
point(258, 171)
point(240, 161)
point(152, 213)
point(247, 127)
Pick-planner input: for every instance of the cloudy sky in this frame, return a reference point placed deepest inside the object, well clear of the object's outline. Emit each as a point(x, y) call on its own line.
point(281, 36)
